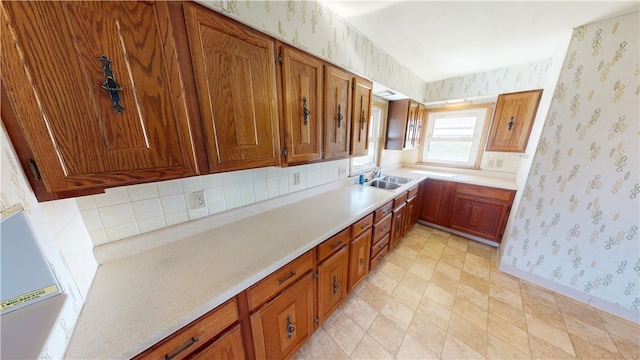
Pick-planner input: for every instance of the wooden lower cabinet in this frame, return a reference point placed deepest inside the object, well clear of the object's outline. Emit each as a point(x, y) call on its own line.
point(285, 323)
point(397, 225)
point(476, 210)
point(359, 258)
point(333, 274)
point(227, 347)
point(190, 340)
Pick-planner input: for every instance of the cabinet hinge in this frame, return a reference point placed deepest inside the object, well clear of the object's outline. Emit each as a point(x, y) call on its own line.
point(317, 275)
point(353, 84)
point(317, 320)
point(280, 59)
point(33, 168)
point(284, 152)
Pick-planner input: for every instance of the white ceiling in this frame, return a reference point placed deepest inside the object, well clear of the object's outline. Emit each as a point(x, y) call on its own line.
point(444, 39)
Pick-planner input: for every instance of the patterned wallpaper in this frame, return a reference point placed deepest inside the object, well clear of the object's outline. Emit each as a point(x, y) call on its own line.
point(63, 239)
point(494, 82)
point(311, 26)
point(577, 222)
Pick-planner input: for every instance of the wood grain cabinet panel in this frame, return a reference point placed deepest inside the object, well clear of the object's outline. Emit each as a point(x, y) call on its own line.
point(333, 275)
point(337, 112)
point(227, 347)
point(512, 122)
point(235, 76)
point(359, 258)
point(285, 323)
point(362, 93)
point(302, 84)
point(59, 111)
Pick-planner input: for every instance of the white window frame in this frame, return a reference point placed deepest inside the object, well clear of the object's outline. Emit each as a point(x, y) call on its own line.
point(377, 118)
point(483, 112)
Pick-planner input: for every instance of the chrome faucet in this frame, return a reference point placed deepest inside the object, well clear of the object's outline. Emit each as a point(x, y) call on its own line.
point(376, 173)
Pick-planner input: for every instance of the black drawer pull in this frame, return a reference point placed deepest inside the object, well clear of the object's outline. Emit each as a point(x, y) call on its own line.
point(289, 276)
point(336, 244)
point(183, 348)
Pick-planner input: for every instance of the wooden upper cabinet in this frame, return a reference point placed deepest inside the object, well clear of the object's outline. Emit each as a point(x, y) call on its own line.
point(91, 95)
point(337, 111)
point(402, 124)
point(512, 121)
point(235, 78)
point(302, 105)
point(361, 114)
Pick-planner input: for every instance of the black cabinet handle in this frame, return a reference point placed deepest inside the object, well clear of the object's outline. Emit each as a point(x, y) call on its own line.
point(289, 276)
point(110, 84)
point(183, 348)
point(305, 110)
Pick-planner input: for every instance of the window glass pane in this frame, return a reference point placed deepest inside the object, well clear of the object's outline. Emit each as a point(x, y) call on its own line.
point(461, 127)
point(459, 151)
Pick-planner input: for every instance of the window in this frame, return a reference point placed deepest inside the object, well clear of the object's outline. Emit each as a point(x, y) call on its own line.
point(455, 136)
point(370, 161)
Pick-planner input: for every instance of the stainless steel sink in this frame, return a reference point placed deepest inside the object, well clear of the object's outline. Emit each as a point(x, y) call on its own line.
point(383, 184)
point(396, 179)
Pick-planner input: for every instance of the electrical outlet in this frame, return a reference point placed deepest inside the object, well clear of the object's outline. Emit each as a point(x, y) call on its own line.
point(492, 163)
point(198, 200)
point(296, 178)
point(499, 163)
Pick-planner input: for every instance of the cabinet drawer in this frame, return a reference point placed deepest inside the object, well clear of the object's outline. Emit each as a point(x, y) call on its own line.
point(380, 245)
point(412, 192)
point(400, 200)
point(485, 191)
point(383, 211)
point(228, 346)
point(382, 227)
point(376, 260)
point(279, 280)
point(361, 226)
point(184, 342)
point(334, 244)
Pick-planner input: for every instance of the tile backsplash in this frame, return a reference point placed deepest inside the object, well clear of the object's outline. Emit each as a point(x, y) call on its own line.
point(131, 210)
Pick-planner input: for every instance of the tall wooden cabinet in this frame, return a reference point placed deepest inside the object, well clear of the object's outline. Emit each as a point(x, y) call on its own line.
point(513, 120)
point(91, 95)
point(362, 90)
point(337, 112)
point(235, 76)
point(302, 84)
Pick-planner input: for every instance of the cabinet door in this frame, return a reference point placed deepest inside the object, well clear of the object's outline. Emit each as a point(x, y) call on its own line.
point(337, 110)
point(227, 347)
point(436, 200)
point(332, 282)
point(57, 104)
point(397, 225)
point(360, 117)
point(432, 191)
point(302, 93)
point(284, 324)
point(410, 213)
point(512, 122)
point(235, 75)
point(359, 258)
point(482, 217)
point(411, 125)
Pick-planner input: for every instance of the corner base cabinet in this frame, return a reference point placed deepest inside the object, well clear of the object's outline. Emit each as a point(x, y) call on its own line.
point(476, 210)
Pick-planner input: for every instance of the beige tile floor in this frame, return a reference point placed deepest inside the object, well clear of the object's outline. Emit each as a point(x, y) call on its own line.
point(441, 296)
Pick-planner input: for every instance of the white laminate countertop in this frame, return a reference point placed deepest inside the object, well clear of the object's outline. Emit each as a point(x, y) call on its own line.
point(138, 300)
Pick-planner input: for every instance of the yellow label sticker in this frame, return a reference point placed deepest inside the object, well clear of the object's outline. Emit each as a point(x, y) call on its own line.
point(25, 298)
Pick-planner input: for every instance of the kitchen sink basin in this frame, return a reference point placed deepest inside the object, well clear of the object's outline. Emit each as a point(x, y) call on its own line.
point(383, 184)
point(396, 179)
